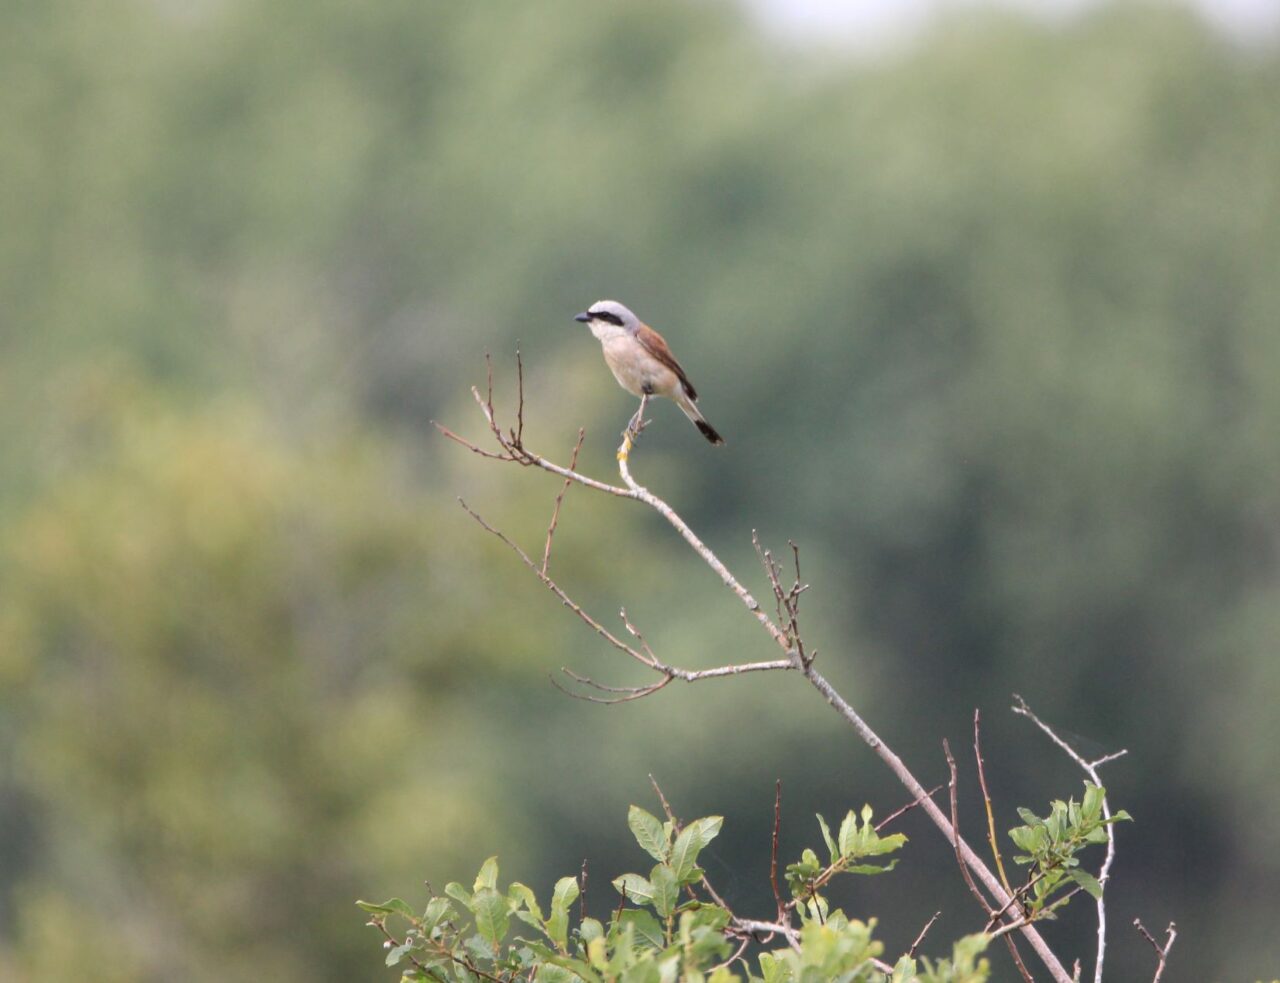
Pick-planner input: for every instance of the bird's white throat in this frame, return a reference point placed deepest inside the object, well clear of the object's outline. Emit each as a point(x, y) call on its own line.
point(604, 331)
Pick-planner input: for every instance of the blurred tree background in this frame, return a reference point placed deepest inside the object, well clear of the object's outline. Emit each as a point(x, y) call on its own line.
point(990, 326)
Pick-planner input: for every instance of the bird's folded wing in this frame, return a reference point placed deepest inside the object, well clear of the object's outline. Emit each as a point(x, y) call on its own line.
point(656, 346)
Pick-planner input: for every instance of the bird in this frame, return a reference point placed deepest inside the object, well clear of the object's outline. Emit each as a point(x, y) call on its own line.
point(643, 364)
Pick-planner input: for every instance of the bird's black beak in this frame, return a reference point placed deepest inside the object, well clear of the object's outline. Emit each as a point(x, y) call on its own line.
point(584, 317)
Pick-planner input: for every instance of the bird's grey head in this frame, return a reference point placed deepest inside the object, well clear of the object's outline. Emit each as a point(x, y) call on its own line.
point(608, 312)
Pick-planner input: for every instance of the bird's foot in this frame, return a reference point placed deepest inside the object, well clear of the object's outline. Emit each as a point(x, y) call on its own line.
point(635, 427)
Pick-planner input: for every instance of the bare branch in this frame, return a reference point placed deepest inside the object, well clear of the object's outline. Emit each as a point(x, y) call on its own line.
point(773, 853)
point(629, 693)
point(780, 636)
point(923, 932)
point(552, 586)
point(955, 832)
point(732, 959)
point(752, 927)
point(986, 799)
point(1090, 768)
point(555, 512)
point(519, 434)
point(909, 806)
point(469, 445)
point(1162, 952)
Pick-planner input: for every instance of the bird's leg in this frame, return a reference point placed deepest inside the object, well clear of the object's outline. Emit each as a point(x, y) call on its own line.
point(637, 422)
point(634, 426)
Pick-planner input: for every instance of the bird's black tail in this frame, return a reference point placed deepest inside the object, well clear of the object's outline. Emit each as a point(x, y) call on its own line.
point(690, 409)
point(708, 431)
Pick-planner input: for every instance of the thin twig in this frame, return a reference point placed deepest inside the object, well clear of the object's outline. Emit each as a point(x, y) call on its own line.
point(909, 806)
point(628, 693)
point(923, 932)
point(1162, 952)
point(555, 512)
point(1016, 897)
point(519, 435)
point(732, 959)
point(1004, 930)
point(773, 851)
point(552, 586)
point(986, 799)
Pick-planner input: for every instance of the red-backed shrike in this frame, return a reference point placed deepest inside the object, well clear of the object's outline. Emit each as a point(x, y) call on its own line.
point(642, 363)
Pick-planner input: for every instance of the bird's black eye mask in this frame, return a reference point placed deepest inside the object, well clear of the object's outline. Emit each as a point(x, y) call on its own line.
point(606, 316)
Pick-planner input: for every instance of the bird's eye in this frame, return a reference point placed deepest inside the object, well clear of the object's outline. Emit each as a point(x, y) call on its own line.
point(609, 316)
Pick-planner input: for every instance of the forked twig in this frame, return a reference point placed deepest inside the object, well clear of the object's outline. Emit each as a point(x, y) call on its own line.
point(1162, 952)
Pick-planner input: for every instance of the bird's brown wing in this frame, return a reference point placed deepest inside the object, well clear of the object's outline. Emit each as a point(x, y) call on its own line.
point(656, 346)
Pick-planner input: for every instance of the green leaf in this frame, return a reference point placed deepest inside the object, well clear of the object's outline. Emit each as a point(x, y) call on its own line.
point(1093, 796)
point(1030, 838)
point(551, 973)
point(648, 832)
point(459, 894)
point(634, 888)
point(848, 835)
point(771, 970)
point(690, 842)
point(564, 895)
point(398, 953)
point(885, 844)
point(826, 836)
point(1087, 881)
point(437, 910)
point(393, 907)
point(492, 914)
point(666, 890)
point(873, 868)
point(488, 876)
point(645, 926)
point(519, 894)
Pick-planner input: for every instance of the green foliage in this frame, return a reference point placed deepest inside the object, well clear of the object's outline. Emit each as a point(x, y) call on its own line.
point(652, 937)
point(852, 844)
point(966, 964)
point(1051, 845)
point(833, 949)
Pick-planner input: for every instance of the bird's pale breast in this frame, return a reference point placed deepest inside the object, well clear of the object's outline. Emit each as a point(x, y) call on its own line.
point(635, 369)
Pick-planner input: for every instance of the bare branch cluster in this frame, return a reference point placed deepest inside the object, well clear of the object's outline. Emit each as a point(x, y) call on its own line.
point(1003, 904)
